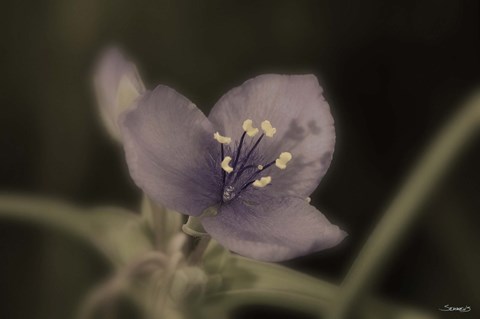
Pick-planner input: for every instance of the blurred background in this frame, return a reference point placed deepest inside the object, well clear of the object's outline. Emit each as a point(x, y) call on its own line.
point(394, 73)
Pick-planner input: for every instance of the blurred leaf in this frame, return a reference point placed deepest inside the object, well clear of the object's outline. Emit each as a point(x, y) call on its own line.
point(215, 258)
point(162, 222)
point(250, 282)
point(122, 231)
point(246, 281)
point(117, 234)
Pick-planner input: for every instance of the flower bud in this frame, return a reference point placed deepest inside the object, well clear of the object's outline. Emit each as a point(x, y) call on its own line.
point(117, 86)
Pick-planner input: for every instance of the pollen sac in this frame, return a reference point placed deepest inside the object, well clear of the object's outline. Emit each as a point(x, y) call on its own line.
point(221, 139)
point(262, 182)
point(249, 129)
point(268, 129)
point(260, 167)
point(283, 159)
point(226, 164)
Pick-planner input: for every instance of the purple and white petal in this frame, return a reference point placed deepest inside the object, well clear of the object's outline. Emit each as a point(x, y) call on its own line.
point(295, 106)
point(117, 85)
point(167, 141)
point(274, 230)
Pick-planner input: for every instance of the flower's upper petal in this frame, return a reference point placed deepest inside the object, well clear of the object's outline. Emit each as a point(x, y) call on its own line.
point(296, 108)
point(166, 140)
point(274, 230)
point(117, 85)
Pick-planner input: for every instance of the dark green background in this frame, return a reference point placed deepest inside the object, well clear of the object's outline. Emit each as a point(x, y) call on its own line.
point(393, 71)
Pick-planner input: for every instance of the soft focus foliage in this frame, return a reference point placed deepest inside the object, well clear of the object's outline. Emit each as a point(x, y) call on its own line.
point(395, 72)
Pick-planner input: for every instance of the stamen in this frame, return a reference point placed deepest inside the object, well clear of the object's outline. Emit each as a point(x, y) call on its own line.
point(240, 163)
point(268, 128)
point(262, 182)
point(226, 164)
point(283, 159)
point(246, 168)
point(239, 150)
point(256, 173)
point(249, 129)
point(222, 139)
point(308, 200)
point(242, 168)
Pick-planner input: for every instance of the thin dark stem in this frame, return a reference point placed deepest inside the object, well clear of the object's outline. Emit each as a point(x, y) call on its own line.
point(253, 148)
point(223, 171)
point(261, 170)
point(252, 177)
point(239, 150)
point(268, 165)
point(241, 170)
point(246, 185)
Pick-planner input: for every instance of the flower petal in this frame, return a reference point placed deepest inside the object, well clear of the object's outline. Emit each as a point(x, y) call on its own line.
point(294, 105)
point(275, 230)
point(117, 85)
point(166, 140)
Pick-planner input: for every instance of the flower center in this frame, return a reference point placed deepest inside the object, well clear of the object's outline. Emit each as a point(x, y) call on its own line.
point(244, 168)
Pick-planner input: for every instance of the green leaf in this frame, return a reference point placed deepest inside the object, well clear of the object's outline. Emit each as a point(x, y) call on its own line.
point(245, 282)
point(215, 258)
point(117, 234)
point(122, 231)
point(162, 222)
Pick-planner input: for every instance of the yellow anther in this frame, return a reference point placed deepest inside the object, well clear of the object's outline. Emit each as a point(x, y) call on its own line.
point(268, 129)
point(262, 182)
point(248, 127)
point(260, 167)
point(221, 139)
point(226, 164)
point(283, 159)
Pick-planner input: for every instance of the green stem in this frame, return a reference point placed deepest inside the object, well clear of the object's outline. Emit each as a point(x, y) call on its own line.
point(247, 282)
point(405, 208)
point(196, 256)
point(223, 303)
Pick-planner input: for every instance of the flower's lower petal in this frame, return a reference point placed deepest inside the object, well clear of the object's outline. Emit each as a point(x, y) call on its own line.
point(275, 230)
point(166, 140)
point(117, 85)
point(304, 126)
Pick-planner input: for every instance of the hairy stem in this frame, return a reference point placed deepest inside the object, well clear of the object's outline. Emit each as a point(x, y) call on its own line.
point(196, 256)
point(405, 208)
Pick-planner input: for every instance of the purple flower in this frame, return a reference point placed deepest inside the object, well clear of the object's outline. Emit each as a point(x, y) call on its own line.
point(247, 170)
point(117, 85)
